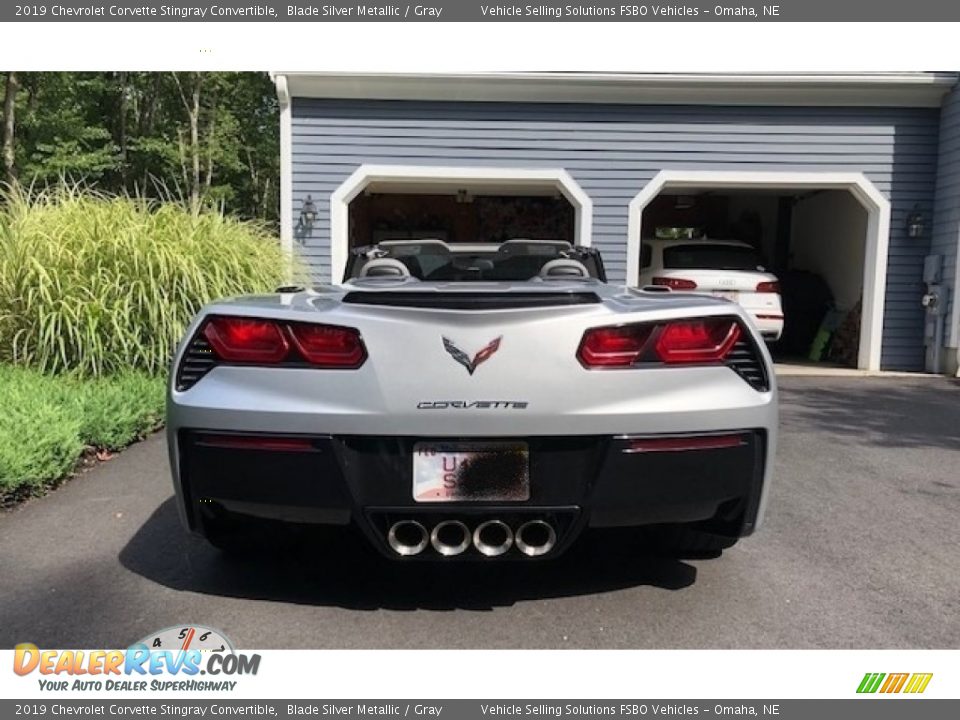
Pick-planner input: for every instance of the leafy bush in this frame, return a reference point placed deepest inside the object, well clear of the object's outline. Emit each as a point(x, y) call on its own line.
point(39, 434)
point(48, 421)
point(99, 284)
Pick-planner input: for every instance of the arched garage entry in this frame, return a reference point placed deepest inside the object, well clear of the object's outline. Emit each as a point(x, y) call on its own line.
point(875, 240)
point(428, 182)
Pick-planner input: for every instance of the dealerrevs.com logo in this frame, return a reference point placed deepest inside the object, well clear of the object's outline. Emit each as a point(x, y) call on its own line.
point(890, 683)
point(168, 660)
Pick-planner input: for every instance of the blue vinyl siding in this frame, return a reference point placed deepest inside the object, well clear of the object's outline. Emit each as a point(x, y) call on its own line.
point(614, 150)
point(946, 220)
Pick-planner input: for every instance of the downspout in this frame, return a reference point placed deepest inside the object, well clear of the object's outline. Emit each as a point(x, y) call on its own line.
point(286, 172)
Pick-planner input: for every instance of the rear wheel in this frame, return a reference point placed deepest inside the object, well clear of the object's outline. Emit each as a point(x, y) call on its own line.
point(689, 541)
point(233, 535)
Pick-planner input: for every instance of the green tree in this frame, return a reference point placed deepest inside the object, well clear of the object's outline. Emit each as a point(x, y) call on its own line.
point(204, 138)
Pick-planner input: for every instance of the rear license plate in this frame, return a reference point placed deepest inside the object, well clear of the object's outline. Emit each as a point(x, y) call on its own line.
point(731, 295)
point(471, 471)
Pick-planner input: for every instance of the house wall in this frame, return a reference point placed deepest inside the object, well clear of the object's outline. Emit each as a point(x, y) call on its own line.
point(946, 220)
point(612, 151)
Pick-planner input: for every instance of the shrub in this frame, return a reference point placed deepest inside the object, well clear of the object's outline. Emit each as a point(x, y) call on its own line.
point(39, 434)
point(99, 284)
point(118, 410)
point(48, 420)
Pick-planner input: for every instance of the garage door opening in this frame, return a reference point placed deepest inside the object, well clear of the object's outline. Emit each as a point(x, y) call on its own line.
point(823, 235)
point(458, 214)
point(456, 205)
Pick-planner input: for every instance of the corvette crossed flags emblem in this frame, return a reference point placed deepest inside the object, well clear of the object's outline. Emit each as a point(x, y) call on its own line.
point(471, 364)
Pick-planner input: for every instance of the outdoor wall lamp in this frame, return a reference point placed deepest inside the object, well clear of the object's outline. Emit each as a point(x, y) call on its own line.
point(915, 223)
point(308, 213)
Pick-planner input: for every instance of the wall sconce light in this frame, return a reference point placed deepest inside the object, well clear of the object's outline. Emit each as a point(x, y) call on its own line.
point(915, 224)
point(308, 213)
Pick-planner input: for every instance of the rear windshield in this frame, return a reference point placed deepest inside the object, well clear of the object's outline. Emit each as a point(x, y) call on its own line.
point(712, 257)
point(433, 262)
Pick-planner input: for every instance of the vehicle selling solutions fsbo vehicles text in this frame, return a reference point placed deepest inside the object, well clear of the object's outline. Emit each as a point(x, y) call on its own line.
point(559, 11)
point(627, 11)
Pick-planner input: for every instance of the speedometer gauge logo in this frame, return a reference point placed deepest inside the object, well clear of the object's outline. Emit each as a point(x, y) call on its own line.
point(188, 637)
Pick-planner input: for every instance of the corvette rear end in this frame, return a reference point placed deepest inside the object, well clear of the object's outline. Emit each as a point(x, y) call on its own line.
point(473, 420)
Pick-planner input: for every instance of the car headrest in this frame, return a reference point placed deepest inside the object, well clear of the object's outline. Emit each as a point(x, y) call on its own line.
point(384, 267)
point(563, 268)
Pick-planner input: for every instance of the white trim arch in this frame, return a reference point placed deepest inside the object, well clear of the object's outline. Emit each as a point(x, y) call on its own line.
point(866, 193)
point(413, 174)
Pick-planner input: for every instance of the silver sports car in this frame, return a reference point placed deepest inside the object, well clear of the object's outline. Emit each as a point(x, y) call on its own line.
point(475, 401)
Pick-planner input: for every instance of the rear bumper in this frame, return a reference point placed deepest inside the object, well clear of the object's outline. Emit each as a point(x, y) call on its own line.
point(769, 325)
point(575, 482)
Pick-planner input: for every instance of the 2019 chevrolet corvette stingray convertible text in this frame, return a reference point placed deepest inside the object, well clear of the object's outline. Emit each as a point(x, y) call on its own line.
point(479, 401)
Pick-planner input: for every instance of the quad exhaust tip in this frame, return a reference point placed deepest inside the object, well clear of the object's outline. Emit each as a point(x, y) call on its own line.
point(535, 538)
point(408, 537)
point(450, 537)
point(493, 538)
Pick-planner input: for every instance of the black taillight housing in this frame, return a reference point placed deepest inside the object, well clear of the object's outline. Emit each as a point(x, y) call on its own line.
point(237, 340)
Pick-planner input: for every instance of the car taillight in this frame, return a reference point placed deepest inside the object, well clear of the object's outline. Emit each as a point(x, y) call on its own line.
point(329, 346)
point(768, 286)
point(613, 346)
point(703, 340)
point(270, 342)
point(237, 339)
point(696, 341)
point(675, 283)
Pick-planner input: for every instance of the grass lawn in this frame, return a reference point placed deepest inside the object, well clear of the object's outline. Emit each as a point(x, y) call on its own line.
point(48, 422)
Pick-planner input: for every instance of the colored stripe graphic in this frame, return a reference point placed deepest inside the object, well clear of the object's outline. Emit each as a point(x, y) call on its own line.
point(870, 682)
point(894, 683)
point(918, 682)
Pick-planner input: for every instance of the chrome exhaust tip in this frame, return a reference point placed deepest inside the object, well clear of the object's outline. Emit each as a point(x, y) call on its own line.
point(450, 537)
point(408, 537)
point(535, 538)
point(493, 538)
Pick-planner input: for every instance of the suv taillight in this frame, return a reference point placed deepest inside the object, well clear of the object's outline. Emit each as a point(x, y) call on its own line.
point(270, 342)
point(675, 283)
point(703, 340)
point(768, 286)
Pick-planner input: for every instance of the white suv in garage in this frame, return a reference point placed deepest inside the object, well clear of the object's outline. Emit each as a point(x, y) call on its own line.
point(724, 268)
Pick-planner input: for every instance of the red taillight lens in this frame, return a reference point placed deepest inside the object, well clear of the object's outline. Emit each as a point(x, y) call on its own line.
point(613, 346)
point(267, 342)
point(768, 287)
point(675, 283)
point(329, 346)
point(696, 341)
point(237, 339)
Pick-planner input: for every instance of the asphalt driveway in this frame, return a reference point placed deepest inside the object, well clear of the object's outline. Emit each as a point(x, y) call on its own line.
point(861, 548)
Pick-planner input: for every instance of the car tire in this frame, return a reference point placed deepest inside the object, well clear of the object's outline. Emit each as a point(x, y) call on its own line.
point(233, 536)
point(689, 542)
